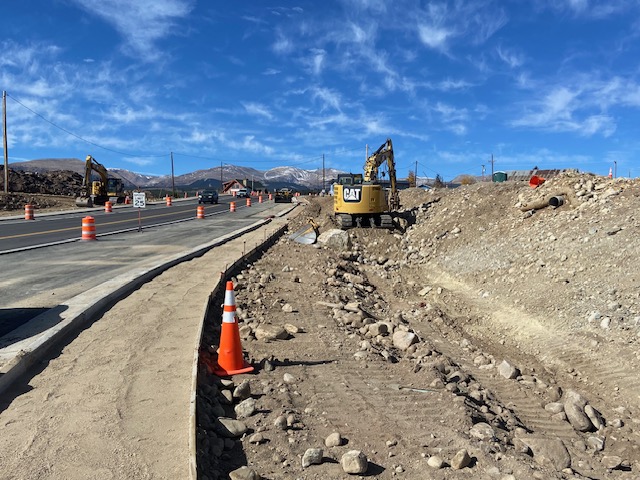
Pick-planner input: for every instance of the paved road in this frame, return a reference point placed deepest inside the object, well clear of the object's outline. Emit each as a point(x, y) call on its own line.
point(43, 278)
point(17, 233)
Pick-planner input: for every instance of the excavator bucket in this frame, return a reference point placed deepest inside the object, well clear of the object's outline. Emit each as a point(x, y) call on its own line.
point(84, 202)
point(307, 235)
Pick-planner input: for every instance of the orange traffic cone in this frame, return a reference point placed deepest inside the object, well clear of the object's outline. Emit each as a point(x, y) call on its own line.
point(230, 361)
point(610, 172)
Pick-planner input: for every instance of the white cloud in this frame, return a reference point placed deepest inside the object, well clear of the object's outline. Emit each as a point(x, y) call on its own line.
point(510, 57)
point(328, 98)
point(564, 110)
point(254, 108)
point(282, 44)
point(141, 22)
point(434, 37)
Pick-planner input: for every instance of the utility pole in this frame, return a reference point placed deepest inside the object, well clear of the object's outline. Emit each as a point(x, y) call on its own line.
point(483, 173)
point(415, 175)
point(4, 142)
point(173, 182)
point(615, 169)
point(323, 188)
point(492, 167)
point(220, 176)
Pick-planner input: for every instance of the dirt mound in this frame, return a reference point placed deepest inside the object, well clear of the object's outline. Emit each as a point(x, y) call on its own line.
point(46, 190)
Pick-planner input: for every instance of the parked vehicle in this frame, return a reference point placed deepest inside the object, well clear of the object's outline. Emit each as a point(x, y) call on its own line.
point(242, 193)
point(208, 196)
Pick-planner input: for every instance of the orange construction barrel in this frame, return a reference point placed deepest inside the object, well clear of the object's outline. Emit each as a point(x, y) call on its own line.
point(168, 201)
point(88, 228)
point(232, 206)
point(108, 208)
point(270, 196)
point(28, 212)
point(200, 211)
point(248, 201)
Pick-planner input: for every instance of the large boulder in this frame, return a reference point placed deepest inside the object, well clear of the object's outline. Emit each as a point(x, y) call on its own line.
point(335, 238)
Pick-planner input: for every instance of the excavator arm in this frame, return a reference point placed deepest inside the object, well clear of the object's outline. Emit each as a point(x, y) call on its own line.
point(384, 154)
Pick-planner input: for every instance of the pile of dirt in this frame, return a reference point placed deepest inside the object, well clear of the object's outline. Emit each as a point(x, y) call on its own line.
point(55, 190)
point(492, 333)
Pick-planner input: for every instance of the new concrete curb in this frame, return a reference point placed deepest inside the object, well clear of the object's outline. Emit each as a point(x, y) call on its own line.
point(77, 311)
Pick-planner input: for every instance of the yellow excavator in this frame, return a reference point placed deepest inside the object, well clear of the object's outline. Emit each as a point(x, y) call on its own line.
point(360, 200)
point(100, 191)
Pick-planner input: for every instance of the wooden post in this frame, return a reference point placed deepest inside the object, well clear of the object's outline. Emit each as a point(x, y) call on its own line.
point(4, 142)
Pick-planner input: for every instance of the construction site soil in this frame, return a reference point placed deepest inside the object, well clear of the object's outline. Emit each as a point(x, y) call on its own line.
point(492, 335)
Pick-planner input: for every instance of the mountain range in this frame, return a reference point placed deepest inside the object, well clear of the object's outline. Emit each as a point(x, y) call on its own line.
point(274, 178)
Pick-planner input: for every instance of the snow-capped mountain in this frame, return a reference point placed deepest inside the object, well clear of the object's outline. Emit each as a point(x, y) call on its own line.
point(274, 178)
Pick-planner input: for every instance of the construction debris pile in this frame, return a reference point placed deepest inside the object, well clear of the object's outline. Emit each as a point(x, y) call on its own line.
point(45, 190)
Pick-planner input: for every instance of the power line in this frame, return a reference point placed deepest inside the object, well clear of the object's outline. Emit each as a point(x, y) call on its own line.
point(79, 137)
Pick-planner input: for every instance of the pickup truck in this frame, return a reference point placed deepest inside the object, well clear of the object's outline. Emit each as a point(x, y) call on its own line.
point(242, 192)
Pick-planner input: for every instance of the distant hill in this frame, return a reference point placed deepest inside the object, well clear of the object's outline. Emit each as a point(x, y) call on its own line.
point(274, 178)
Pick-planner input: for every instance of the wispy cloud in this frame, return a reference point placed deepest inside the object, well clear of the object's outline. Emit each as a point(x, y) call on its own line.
point(142, 22)
point(565, 109)
point(510, 56)
point(253, 108)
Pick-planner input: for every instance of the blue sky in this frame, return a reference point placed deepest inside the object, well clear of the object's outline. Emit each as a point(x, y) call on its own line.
point(547, 83)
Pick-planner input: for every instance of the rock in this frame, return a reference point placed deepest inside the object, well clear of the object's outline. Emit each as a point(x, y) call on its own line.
point(425, 291)
point(335, 238)
point(403, 340)
point(280, 422)
point(245, 408)
point(460, 460)
point(292, 329)
point(230, 427)
point(611, 461)
point(482, 431)
point(288, 378)
point(507, 370)
point(574, 405)
point(287, 308)
point(354, 462)
point(313, 456)
point(378, 328)
point(596, 443)
point(554, 407)
point(333, 440)
point(244, 473)
point(435, 462)
point(242, 391)
point(548, 451)
point(594, 416)
point(271, 332)
point(257, 438)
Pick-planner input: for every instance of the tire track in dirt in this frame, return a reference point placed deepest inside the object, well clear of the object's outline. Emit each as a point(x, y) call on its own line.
point(569, 353)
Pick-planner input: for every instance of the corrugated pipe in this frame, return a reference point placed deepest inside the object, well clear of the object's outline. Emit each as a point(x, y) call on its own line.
point(556, 201)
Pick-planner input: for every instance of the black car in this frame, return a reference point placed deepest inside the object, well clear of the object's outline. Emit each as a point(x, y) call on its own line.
point(208, 196)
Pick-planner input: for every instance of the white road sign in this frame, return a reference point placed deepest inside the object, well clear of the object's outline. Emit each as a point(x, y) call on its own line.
point(139, 200)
